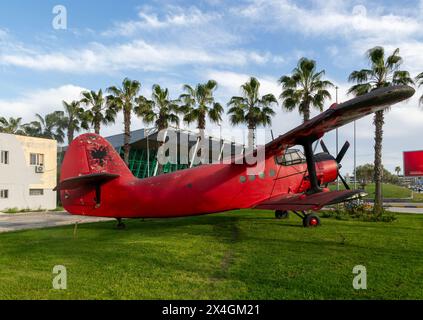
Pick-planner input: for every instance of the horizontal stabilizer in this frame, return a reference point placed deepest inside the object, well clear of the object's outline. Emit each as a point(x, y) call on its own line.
point(86, 180)
point(314, 201)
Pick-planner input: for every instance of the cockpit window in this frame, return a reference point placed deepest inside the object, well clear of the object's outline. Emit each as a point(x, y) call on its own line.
point(290, 157)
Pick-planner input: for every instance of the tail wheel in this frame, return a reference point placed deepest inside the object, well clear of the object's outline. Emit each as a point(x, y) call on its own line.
point(281, 214)
point(120, 225)
point(311, 220)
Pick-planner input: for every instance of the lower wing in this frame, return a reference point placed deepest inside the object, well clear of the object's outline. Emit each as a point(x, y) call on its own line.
point(299, 202)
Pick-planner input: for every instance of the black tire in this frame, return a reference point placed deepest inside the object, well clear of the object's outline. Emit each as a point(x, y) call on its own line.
point(281, 214)
point(311, 221)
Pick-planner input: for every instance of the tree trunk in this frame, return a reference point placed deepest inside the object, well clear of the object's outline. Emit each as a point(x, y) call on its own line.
point(160, 166)
point(306, 112)
point(378, 122)
point(202, 136)
point(127, 134)
point(97, 127)
point(251, 136)
point(202, 146)
point(70, 135)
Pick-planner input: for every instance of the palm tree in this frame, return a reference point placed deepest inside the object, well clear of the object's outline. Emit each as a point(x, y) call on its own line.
point(51, 126)
point(199, 103)
point(383, 72)
point(160, 110)
point(98, 111)
point(419, 80)
point(124, 98)
point(74, 119)
point(11, 125)
point(304, 88)
point(398, 170)
point(251, 109)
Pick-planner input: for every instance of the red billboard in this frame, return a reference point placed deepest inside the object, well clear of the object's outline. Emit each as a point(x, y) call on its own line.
point(413, 163)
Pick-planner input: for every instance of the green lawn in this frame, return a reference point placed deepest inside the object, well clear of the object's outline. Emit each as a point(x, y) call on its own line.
point(390, 191)
point(239, 255)
point(417, 197)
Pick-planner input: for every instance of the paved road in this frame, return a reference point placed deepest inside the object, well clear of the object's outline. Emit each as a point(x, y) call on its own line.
point(403, 204)
point(15, 222)
point(411, 207)
point(407, 210)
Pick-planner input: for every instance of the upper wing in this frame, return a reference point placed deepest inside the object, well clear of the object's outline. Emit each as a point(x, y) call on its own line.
point(316, 201)
point(341, 114)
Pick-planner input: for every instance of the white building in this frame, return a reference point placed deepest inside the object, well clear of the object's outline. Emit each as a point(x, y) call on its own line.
point(28, 172)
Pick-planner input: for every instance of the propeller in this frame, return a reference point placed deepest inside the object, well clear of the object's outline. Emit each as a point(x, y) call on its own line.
point(338, 159)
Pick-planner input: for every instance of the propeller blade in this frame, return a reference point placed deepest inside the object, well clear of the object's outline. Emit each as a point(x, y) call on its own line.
point(324, 146)
point(347, 187)
point(343, 151)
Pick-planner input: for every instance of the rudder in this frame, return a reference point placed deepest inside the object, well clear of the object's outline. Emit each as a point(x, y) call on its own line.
point(91, 166)
point(92, 154)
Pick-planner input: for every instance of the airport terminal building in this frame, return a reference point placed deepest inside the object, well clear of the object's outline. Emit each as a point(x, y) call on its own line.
point(28, 172)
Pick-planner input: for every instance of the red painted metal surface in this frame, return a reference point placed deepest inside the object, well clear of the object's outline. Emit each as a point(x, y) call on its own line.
point(209, 188)
point(201, 190)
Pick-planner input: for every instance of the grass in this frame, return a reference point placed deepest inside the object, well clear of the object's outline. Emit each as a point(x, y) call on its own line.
point(389, 191)
point(417, 197)
point(236, 255)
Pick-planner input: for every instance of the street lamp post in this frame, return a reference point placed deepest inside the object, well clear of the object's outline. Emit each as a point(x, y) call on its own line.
point(148, 153)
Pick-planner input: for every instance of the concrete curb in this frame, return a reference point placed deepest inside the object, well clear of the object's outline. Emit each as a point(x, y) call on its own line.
point(29, 213)
point(399, 205)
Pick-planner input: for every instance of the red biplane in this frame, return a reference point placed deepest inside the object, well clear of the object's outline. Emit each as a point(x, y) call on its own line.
point(95, 181)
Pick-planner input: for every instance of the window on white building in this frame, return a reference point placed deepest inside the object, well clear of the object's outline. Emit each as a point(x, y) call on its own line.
point(36, 192)
point(36, 159)
point(4, 194)
point(4, 157)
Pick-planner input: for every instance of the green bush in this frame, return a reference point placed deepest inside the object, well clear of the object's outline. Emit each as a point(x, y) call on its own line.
point(359, 210)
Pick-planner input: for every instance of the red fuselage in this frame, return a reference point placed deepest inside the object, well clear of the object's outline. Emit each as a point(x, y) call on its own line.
point(201, 190)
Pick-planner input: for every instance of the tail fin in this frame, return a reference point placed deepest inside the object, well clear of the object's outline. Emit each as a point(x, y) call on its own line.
point(90, 164)
point(92, 154)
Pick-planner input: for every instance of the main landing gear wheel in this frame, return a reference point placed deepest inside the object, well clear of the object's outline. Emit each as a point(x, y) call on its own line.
point(311, 220)
point(120, 225)
point(281, 214)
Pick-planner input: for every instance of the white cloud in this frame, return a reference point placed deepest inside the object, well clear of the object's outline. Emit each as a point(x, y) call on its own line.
point(39, 101)
point(230, 82)
point(329, 19)
point(136, 55)
point(175, 17)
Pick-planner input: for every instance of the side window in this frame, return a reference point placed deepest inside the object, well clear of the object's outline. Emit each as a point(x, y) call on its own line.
point(296, 158)
point(36, 192)
point(280, 159)
point(291, 157)
point(36, 159)
point(4, 194)
point(4, 157)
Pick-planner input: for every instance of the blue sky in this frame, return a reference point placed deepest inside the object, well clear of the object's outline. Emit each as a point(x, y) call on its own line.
point(177, 42)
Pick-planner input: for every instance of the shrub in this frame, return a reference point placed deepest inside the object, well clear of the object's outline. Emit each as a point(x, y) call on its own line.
point(360, 210)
